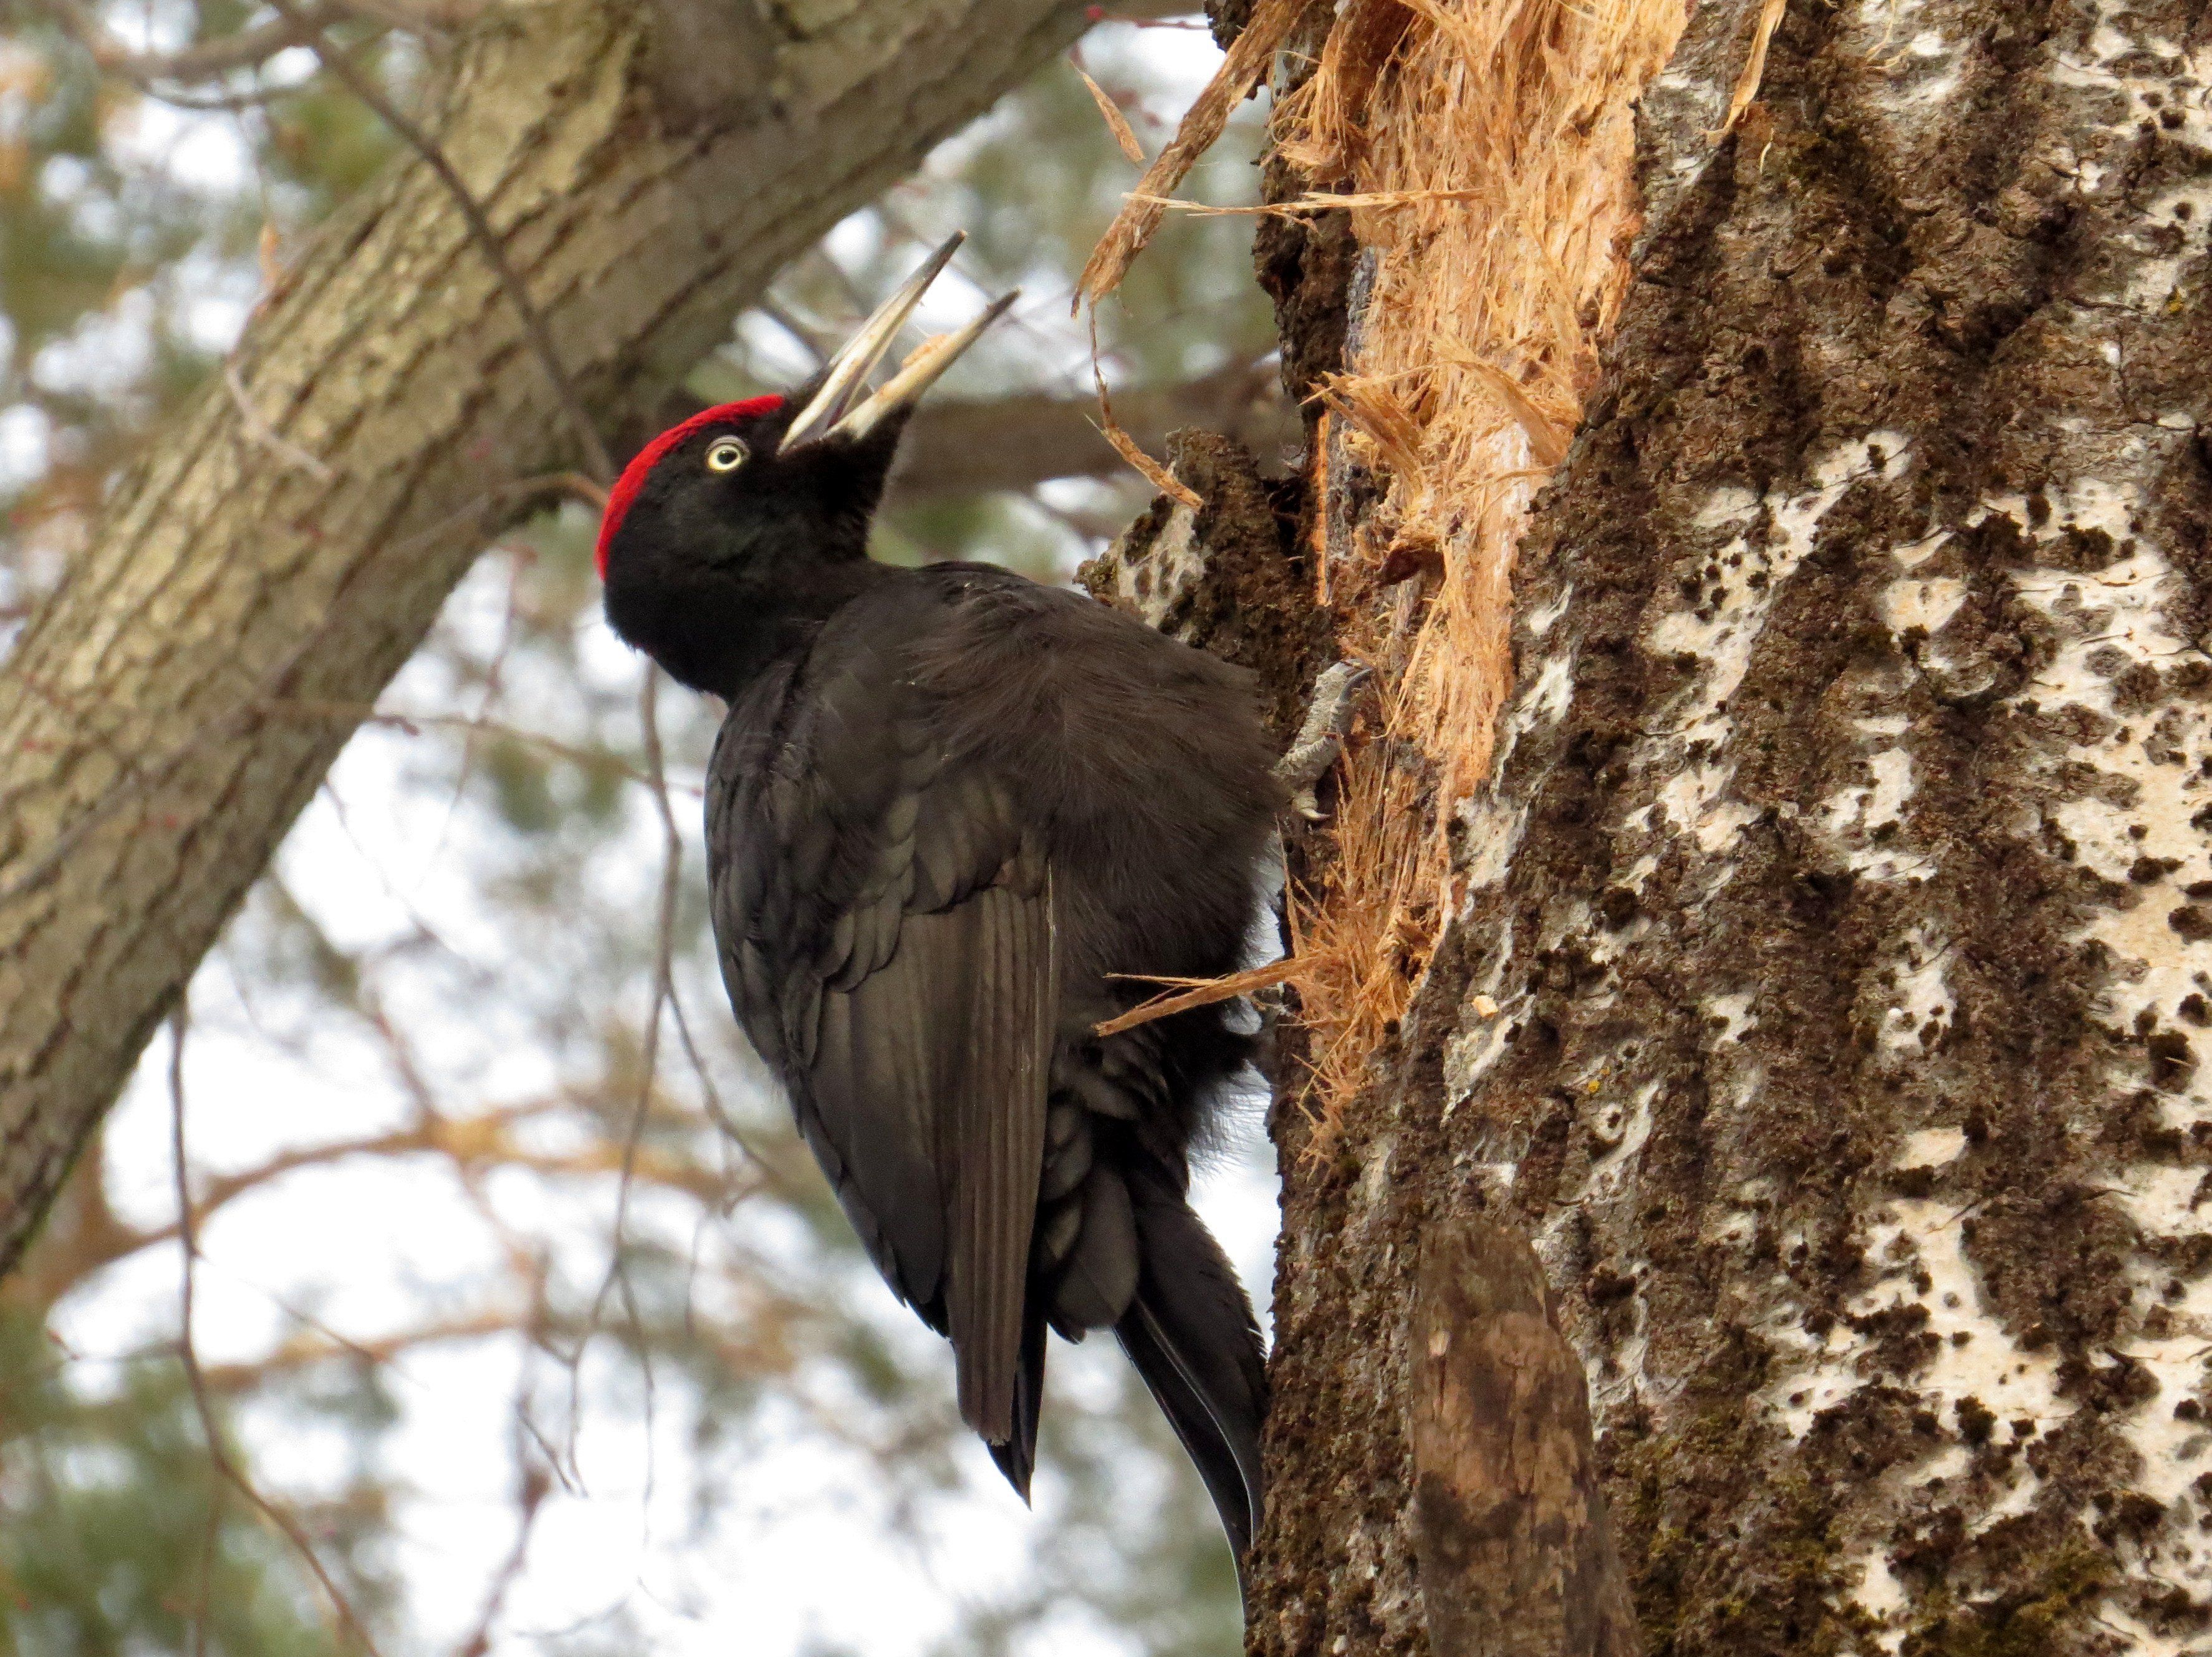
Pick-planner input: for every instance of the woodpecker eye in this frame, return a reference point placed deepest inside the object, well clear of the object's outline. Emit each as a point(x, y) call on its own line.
point(726, 455)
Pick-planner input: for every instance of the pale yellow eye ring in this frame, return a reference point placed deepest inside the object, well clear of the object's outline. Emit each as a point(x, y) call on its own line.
point(727, 454)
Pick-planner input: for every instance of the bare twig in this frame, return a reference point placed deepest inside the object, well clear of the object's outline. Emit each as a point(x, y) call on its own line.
point(203, 60)
point(188, 1355)
point(414, 724)
point(664, 984)
point(717, 1111)
point(267, 436)
point(808, 338)
point(532, 1484)
point(343, 69)
point(178, 1021)
point(663, 948)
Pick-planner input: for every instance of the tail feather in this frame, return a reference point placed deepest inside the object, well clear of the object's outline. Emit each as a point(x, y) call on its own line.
point(1017, 1455)
point(1192, 1337)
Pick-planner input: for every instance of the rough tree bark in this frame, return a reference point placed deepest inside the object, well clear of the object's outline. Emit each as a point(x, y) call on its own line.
point(1830, 946)
point(290, 542)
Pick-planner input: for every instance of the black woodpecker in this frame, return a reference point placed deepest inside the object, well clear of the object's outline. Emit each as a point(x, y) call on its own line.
point(949, 809)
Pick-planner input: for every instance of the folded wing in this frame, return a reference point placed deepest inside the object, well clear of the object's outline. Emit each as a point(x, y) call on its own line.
point(887, 933)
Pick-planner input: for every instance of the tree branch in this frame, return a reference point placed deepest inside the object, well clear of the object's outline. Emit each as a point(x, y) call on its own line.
point(482, 1140)
point(195, 1380)
point(201, 60)
point(343, 69)
point(391, 354)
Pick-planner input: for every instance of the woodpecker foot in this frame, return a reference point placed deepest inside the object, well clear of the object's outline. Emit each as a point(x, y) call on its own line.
point(1320, 738)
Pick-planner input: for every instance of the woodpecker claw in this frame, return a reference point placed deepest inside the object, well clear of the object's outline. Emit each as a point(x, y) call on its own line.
point(830, 411)
point(1320, 740)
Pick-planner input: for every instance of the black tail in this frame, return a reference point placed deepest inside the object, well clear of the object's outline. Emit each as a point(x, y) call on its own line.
point(1016, 1457)
point(1191, 1334)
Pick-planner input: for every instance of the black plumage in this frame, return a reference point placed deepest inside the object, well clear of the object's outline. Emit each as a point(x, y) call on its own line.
point(947, 808)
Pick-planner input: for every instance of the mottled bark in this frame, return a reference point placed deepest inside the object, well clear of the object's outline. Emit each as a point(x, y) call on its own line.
point(148, 760)
point(1834, 939)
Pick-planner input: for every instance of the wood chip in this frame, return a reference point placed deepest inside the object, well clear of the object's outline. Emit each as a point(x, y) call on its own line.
point(1247, 60)
point(1128, 446)
point(1156, 474)
point(1754, 68)
point(1546, 440)
point(1196, 992)
point(1379, 200)
point(1116, 122)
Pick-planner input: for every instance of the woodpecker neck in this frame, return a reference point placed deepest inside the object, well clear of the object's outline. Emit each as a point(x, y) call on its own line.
point(715, 629)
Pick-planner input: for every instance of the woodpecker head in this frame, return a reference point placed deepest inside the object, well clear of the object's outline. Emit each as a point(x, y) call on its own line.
point(754, 513)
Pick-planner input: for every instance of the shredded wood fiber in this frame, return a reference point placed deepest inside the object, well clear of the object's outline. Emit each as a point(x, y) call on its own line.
point(1489, 146)
point(1485, 149)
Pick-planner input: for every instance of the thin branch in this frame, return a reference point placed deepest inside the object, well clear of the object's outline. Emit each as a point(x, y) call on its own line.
point(188, 1355)
point(178, 1021)
point(717, 1111)
point(415, 723)
point(809, 340)
point(201, 60)
point(663, 985)
point(484, 1140)
point(343, 69)
point(260, 431)
point(298, 1354)
point(532, 1486)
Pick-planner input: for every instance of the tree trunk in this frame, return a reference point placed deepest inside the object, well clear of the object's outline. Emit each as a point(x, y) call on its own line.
point(290, 539)
point(1816, 970)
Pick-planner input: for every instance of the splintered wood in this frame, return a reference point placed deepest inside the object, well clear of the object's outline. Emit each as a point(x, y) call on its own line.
point(1241, 70)
point(1487, 149)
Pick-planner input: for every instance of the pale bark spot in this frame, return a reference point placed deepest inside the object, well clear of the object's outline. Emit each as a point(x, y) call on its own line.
point(1927, 605)
point(1729, 600)
point(1920, 1002)
point(1932, 1147)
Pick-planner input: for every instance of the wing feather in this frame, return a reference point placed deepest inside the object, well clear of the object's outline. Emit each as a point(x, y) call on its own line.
point(888, 939)
point(993, 1154)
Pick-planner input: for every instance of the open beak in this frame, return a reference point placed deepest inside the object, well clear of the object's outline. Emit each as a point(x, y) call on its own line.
point(832, 413)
